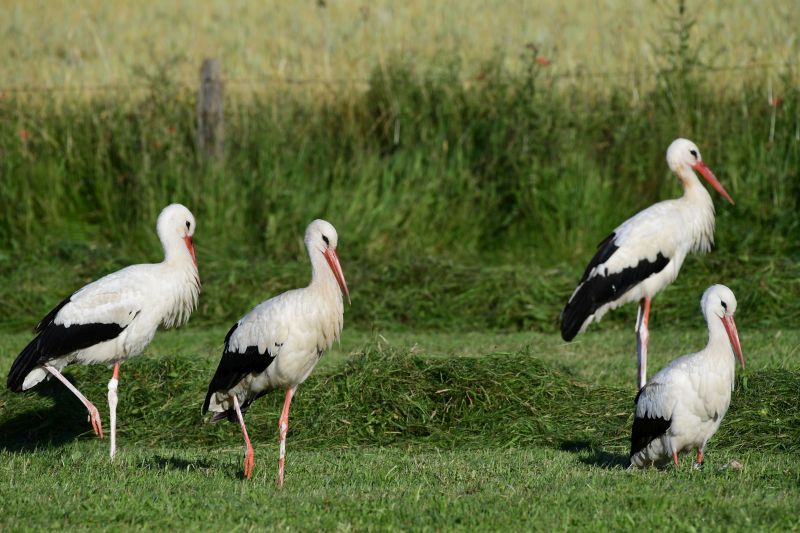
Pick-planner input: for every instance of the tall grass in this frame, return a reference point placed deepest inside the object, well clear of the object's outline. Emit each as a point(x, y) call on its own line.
point(412, 165)
point(505, 170)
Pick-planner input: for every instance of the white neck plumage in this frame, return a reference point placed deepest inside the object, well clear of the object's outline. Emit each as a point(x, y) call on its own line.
point(700, 212)
point(180, 265)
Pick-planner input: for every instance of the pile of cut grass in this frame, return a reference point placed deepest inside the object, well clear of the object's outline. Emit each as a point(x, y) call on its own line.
point(387, 396)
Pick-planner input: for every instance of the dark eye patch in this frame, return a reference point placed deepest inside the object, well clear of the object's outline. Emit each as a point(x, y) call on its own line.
point(724, 306)
point(324, 238)
point(694, 153)
point(188, 225)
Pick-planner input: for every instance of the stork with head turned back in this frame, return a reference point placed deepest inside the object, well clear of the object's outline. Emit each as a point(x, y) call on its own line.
point(279, 342)
point(683, 405)
point(115, 317)
point(645, 253)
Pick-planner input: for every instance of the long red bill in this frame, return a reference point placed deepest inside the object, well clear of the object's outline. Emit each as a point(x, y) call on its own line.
point(190, 246)
point(712, 179)
point(333, 262)
point(733, 335)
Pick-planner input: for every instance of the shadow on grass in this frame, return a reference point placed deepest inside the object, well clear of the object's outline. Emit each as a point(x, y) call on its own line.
point(230, 469)
point(43, 427)
point(160, 462)
point(596, 457)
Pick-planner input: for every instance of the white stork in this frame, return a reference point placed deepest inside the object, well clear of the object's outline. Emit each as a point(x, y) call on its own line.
point(115, 318)
point(645, 253)
point(682, 406)
point(279, 342)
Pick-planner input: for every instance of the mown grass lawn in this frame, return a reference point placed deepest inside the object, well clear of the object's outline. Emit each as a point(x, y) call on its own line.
point(534, 438)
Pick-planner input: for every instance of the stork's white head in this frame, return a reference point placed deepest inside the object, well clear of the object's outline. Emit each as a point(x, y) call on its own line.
point(175, 228)
point(321, 238)
point(683, 156)
point(718, 302)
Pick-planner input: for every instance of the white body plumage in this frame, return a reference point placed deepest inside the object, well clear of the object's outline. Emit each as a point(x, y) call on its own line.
point(645, 253)
point(295, 328)
point(682, 405)
point(278, 344)
point(138, 299)
point(673, 229)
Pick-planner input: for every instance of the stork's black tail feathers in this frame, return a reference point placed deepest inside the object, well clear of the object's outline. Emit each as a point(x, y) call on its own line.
point(230, 414)
point(577, 310)
point(23, 364)
point(584, 301)
point(29, 358)
point(232, 368)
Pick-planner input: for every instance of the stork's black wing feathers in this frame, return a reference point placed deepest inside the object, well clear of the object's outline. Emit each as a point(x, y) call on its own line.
point(605, 287)
point(234, 366)
point(646, 429)
point(51, 316)
point(605, 249)
point(55, 340)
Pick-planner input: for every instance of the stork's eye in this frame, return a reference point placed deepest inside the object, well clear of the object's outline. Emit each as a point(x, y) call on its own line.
point(694, 153)
point(324, 238)
point(724, 306)
point(188, 225)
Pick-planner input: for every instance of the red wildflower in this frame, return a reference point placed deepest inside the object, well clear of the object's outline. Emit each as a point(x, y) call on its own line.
point(24, 135)
point(775, 101)
point(543, 61)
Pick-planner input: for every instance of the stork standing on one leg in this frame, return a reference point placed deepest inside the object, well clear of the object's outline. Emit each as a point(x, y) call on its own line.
point(278, 344)
point(682, 405)
point(115, 317)
point(644, 254)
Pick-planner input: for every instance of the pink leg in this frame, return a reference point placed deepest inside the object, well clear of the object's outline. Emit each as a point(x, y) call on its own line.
point(675, 458)
point(112, 408)
point(642, 337)
point(700, 458)
point(283, 427)
point(94, 416)
point(249, 457)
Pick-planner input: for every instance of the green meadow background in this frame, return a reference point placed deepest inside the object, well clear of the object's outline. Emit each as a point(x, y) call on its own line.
point(471, 156)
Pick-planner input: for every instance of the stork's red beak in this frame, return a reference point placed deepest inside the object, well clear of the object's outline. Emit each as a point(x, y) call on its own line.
point(333, 262)
point(712, 179)
point(733, 335)
point(190, 246)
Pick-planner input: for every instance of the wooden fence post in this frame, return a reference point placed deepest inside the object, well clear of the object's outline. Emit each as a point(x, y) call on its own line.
point(210, 114)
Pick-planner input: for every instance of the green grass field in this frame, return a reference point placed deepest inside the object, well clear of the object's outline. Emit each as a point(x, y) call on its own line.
point(470, 183)
point(400, 430)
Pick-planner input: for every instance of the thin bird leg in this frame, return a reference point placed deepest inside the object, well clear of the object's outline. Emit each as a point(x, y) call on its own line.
point(249, 458)
point(700, 458)
point(675, 458)
point(283, 427)
point(112, 408)
point(642, 336)
point(94, 415)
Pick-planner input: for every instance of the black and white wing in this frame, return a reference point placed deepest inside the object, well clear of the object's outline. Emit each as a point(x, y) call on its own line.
point(95, 314)
point(653, 416)
point(636, 250)
point(250, 347)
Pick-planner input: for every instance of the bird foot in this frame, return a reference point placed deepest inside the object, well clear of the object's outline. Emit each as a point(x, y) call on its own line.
point(697, 466)
point(249, 462)
point(94, 418)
